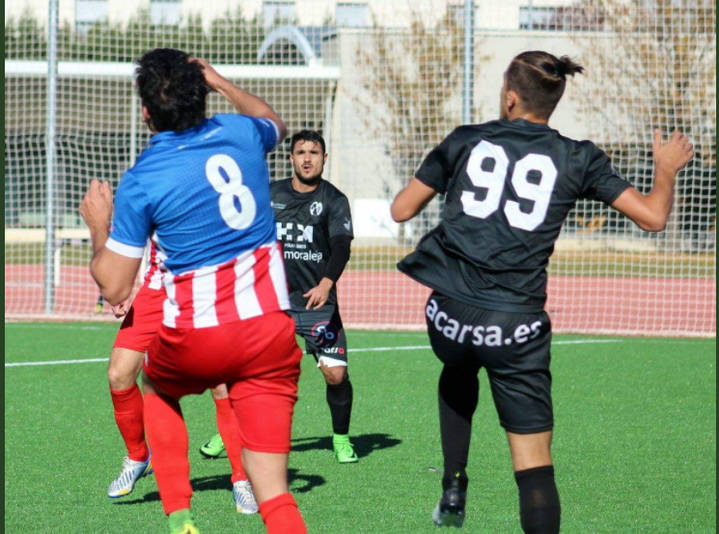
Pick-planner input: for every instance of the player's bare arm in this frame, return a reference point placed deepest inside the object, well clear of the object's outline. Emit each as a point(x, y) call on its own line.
point(318, 295)
point(244, 102)
point(650, 212)
point(114, 273)
point(411, 200)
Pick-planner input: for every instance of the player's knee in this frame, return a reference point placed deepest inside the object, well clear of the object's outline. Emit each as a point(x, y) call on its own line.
point(120, 378)
point(334, 375)
point(124, 368)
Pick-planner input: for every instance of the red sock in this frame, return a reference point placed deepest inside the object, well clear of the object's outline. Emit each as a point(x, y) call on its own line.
point(230, 431)
point(167, 435)
point(281, 515)
point(127, 404)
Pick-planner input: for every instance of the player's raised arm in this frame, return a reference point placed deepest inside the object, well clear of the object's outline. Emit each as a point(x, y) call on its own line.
point(411, 200)
point(244, 102)
point(650, 212)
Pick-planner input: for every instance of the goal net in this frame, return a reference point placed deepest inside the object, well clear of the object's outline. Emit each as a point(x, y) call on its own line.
point(383, 82)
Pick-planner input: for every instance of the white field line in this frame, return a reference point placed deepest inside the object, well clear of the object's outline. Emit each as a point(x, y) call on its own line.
point(55, 362)
point(55, 326)
point(361, 349)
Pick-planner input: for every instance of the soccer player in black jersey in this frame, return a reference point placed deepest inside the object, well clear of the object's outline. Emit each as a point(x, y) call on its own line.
point(315, 226)
point(509, 186)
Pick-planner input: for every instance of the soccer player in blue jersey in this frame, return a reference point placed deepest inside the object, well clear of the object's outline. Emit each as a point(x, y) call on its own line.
point(202, 186)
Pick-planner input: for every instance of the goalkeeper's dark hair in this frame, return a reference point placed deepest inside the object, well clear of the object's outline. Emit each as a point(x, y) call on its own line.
point(539, 79)
point(172, 88)
point(308, 135)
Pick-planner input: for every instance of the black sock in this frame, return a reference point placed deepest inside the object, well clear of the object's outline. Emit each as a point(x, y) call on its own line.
point(339, 398)
point(458, 394)
point(539, 507)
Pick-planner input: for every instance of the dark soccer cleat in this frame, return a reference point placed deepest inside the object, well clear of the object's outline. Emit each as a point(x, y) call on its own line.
point(450, 509)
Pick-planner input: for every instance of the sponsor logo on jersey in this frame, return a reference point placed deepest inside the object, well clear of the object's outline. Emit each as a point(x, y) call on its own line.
point(316, 208)
point(291, 232)
point(488, 335)
point(347, 225)
point(332, 350)
point(325, 334)
point(299, 255)
point(278, 205)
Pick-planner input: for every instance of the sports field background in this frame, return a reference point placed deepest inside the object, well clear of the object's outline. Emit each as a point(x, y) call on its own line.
point(634, 445)
point(613, 298)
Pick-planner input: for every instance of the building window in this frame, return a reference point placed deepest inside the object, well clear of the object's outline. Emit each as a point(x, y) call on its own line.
point(561, 18)
point(537, 18)
point(88, 12)
point(352, 15)
point(279, 13)
point(165, 11)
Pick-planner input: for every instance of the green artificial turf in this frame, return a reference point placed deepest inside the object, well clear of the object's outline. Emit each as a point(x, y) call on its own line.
point(634, 441)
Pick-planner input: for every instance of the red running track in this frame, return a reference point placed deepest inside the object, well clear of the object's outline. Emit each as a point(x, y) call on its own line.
point(632, 306)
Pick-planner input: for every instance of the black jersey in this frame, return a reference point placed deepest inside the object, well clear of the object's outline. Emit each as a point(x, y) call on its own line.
point(305, 224)
point(509, 187)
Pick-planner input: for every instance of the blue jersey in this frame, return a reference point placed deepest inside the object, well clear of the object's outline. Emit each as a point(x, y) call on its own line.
point(203, 191)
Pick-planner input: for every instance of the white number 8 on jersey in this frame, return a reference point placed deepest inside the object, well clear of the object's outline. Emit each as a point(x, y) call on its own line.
point(228, 190)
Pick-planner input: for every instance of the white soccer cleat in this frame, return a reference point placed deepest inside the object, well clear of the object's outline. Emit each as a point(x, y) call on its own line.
point(244, 498)
point(132, 471)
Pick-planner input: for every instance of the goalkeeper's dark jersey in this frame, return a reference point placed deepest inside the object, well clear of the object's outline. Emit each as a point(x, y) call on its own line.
point(305, 224)
point(509, 186)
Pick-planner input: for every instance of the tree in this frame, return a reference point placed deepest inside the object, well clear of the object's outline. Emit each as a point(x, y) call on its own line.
point(654, 66)
point(410, 94)
point(230, 39)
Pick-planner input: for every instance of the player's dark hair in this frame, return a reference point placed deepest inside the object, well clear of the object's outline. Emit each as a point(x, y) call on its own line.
point(307, 135)
point(539, 79)
point(172, 89)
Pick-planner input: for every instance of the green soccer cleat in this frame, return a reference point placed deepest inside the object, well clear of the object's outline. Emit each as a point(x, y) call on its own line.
point(99, 304)
point(181, 522)
point(213, 448)
point(344, 451)
point(187, 528)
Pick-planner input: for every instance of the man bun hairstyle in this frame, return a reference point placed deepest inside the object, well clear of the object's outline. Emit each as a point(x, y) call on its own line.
point(565, 66)
point(539, 79)
point(308, 135)
point(172, 88)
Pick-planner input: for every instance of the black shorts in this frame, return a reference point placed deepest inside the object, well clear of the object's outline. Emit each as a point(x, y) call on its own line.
point(514, 348)
point(323, 333)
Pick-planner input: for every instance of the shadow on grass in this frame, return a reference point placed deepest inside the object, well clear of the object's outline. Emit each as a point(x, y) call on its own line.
point(364, 444)
point(308, 482)
point(299, 483)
